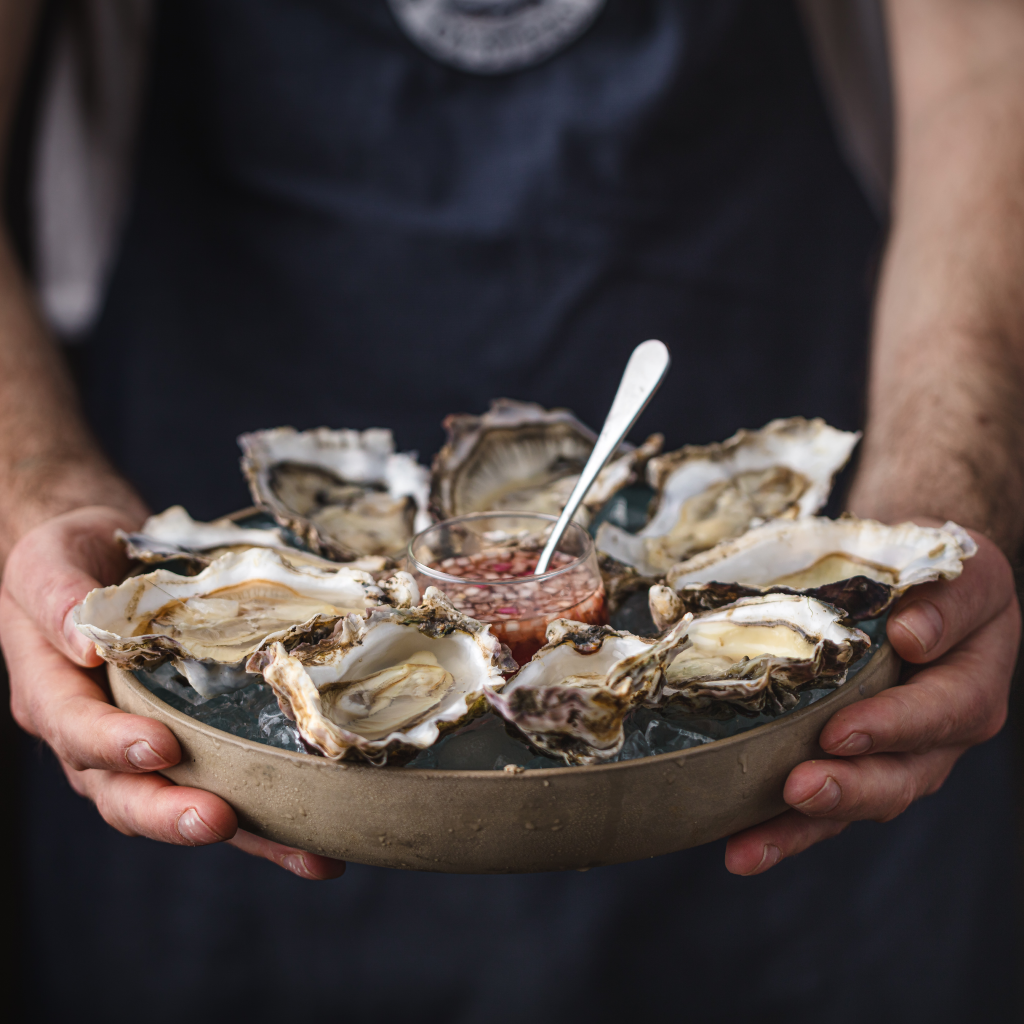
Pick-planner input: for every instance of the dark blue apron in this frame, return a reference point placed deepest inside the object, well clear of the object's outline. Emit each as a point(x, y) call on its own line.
point(331, 227)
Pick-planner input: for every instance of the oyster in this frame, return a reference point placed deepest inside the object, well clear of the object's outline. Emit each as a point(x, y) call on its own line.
point(859, 565)
point(173, 535)
point(346, 494)
point(709, 494)
point(570, 700)
point(210, 623)
point(520, 457)
point(757, 654)
point(390, 685)
point(621, 582)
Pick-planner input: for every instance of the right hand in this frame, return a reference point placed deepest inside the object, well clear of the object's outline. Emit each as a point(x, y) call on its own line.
point(109, 756)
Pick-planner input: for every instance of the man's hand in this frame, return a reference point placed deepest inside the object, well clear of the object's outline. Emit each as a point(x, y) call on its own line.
point(900, 745)
point(59, 694)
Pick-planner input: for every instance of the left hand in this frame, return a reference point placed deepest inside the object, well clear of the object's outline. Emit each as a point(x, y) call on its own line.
point(109, 756)
point(900, 745)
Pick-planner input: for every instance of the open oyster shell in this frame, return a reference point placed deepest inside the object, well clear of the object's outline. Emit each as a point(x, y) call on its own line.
point(209, 624)
point(621, 582)
point(712, 493)
point(387, 687)
point(570, 699)
point(521, 457)
point(346, 494)
point(859, 565)
point(758, 654)
point(173, 535)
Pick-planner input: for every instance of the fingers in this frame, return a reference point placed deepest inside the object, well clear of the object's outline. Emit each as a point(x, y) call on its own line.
point(959, 700)
point(757, 849)
point(154, 807)
point(54, 566)
point(298, 862)
point(932, 618)
point(106, 754)
point(67, 707)
point(900, 745)
point(875, 788)
point(825, 796)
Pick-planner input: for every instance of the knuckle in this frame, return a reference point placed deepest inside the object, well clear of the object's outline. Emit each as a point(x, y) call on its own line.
point(899, 798)
point(896, 807)
point(981, 725)
point(77, 782)
point(993, 723)
point(113, 811)
point(937, 783)
point(21, 713)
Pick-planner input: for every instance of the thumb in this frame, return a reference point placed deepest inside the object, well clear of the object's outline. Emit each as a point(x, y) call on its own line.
point(934, 617)
point(54, 566)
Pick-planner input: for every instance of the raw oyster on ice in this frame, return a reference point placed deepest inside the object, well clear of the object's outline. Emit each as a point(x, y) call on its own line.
point(173, 535)
point(209, 624)
point(388, 686)
point(570, 699)
point(520, 457)
point(345, 493)
point(712, 493)
point(859, 565)
point(758, 654)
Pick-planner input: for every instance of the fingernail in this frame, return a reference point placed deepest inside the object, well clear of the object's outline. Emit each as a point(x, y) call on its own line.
point(855, 743)
point(75, 640)
point(194, 830)
point(923, 621)
point(141, 755)
point(824, 800)
point(296, 864)
point(771, 856)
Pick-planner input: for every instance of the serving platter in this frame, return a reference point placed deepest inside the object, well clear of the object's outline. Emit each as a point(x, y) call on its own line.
point(496, 822)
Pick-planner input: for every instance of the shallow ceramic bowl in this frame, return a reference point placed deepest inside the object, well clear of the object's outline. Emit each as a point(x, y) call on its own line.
point(494, 821)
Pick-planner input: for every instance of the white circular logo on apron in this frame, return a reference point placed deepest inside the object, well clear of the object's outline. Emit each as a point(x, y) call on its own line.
point(494, 36)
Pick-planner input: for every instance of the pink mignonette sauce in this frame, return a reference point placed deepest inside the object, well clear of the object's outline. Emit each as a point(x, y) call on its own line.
point(519, 612)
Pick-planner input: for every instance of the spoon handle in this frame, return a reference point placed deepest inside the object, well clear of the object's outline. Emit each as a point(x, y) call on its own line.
point(644, 373)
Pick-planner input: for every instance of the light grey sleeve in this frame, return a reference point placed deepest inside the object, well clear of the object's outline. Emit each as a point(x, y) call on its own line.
point(848, 40)
point(81, 164)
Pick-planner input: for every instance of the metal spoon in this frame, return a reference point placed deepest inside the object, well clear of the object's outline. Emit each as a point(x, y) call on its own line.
point(644, 373)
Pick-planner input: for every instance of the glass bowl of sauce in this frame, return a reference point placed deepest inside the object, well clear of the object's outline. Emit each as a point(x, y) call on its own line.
point(484, 564)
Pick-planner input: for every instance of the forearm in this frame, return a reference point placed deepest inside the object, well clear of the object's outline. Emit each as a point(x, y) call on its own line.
point(49, 462)
point(945, 432)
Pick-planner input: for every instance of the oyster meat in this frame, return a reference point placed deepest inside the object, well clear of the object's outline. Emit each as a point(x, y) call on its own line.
point(209, 624)
point(388, 686)
point(709, 494)
point(173, 535)
point(758, 654)
point(859, 565)
point(570, 700)
point(345, 493)
point(520, 457)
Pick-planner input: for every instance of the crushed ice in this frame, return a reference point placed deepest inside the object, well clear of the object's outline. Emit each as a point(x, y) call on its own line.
point(484, 744)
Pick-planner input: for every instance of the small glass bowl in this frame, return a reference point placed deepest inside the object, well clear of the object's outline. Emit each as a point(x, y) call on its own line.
point(483, 564)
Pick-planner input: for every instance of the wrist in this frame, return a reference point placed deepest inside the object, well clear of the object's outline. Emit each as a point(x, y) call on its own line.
point(38, 488)
point(899, 498)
